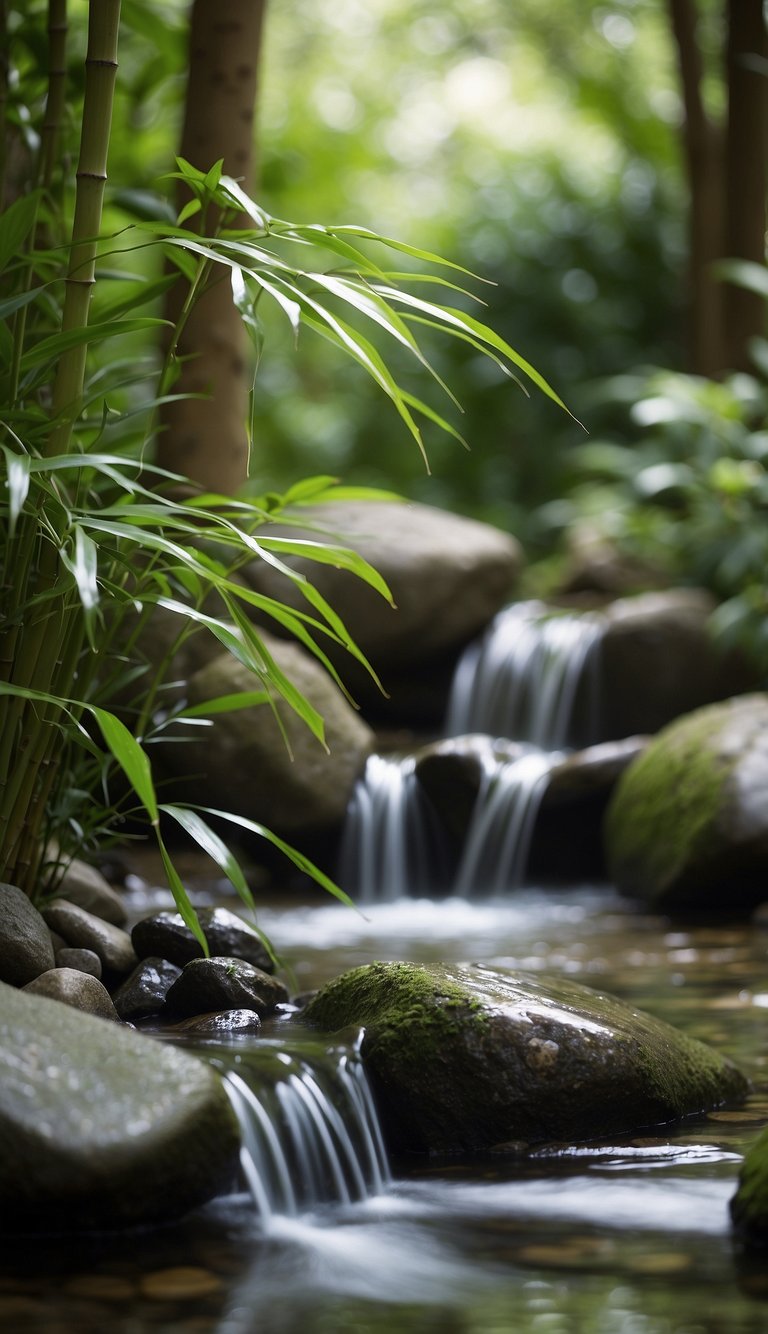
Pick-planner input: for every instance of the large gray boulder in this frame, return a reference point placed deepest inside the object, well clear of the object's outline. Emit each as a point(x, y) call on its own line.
point(687, 827)
point(101, 1126)
point(242, 762)
point(466, 1059)
point(448, 576)
point(658, 660)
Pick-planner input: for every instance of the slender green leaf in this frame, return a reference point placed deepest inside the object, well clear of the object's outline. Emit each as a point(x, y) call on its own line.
point(181, 897)
point(210, 843)
point(48, 349)
point(17, 482)
point(244, 699)
point(298, 858)
point(14, 303)
point(129, 755)
point(16, 223)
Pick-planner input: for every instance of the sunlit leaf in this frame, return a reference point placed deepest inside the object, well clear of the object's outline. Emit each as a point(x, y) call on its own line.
point(17, 482)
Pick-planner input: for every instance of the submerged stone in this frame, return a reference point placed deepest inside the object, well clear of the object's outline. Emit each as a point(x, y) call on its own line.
point(749, 1206)
point(465, 1058)
point(687, 828)
point(101, 1126)
point(220, 1024)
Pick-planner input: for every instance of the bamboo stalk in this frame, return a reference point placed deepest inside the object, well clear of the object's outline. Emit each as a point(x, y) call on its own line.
point(4, 63)
point(57, 79)
point(100, 73)
point(50, 645)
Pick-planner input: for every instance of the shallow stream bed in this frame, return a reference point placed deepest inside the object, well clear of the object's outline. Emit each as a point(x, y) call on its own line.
point(630, 1237)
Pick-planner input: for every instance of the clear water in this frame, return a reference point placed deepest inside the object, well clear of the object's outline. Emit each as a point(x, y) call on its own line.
point(630, 1237)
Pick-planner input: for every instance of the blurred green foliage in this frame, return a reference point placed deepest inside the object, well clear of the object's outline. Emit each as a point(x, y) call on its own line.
point(536, 145)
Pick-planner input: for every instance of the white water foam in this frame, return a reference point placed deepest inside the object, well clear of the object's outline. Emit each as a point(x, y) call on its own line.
point(310, 1136)
point(520, 680)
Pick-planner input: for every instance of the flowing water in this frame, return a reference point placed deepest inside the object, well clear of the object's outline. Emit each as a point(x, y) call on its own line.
point(630, 1236)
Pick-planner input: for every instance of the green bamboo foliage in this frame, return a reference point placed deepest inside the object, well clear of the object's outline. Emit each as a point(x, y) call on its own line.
point(93, 539)
point(44, 658)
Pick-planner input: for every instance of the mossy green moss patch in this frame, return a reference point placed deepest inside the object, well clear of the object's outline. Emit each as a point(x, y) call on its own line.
point(465, 1059)
point(680, 830)
point(749, 1206)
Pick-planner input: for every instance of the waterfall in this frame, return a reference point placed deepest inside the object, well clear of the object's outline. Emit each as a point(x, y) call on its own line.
point(391, 845)
point(532, 678)
point(495, 853)
point(520, 679)
point(309, 1130)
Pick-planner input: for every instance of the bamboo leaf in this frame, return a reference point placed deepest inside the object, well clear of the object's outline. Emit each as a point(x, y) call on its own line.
point(84, 566)
point(49, 349)
point(244, 699)
point(298, 858)
point(17, 481)
point(448, 315)
point(237, 194)
point(193, 824)
point(129, 755)
point(189, 210)
point(16, 223)
point(14, 303)
point(341, 558)
point(181, 897)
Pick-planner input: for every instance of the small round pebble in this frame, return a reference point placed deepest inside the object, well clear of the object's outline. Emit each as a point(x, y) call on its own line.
point(174, 1284)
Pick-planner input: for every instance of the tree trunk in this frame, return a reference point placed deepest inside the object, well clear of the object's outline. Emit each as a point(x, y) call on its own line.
point(746, 177)
point(702, 146)
point(206, 439)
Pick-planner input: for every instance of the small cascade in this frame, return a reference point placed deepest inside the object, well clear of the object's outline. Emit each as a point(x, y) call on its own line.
point(310, 1134)
point(391, 845)
point(533, 678)
point(495, 853)
point(520, 679)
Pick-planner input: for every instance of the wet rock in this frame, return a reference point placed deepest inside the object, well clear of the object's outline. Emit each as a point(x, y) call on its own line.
point(84, 961)
point(85, 931)
point(83, 885)
point(658, 661)
point(167, 936)
point(749, 1206)
point(25, 942)
point(219, 1024)
point(466, 1058)
point(143, 992)
point(75, 988)
point(102, 1127)
point(448, 576)
point(242, 763)
point(224, 984)
point(567, 836)
point(687, 828)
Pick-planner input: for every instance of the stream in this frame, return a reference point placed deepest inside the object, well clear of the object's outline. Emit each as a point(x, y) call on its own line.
point(630, 1237)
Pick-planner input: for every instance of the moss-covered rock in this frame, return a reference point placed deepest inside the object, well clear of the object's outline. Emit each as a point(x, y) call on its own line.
point(749, 1206)
point(464, 1059)
point(687, 828)
point(102, 1127)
